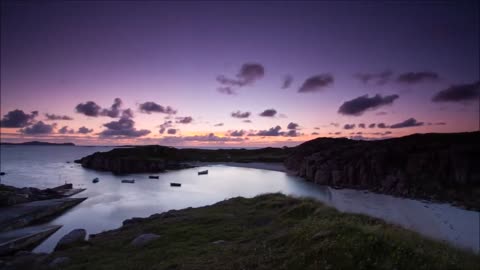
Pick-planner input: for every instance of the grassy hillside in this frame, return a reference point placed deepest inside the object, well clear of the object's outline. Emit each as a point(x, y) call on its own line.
point(266, 232)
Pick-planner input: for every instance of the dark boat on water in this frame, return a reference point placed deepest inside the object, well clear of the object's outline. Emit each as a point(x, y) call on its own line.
point(175, 184)
point(95, 180)
point(128, 181)
point(154, 177)
point(203, 172)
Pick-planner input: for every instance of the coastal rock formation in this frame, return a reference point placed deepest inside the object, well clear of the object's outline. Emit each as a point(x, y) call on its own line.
point(144, 239)
point(72, 238)
point(432, 166)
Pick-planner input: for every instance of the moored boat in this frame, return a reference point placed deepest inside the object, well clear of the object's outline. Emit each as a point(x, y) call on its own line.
point(175, 184)
point(129, 181)
point(154, 177)
point(95, 180)
point(203, 172)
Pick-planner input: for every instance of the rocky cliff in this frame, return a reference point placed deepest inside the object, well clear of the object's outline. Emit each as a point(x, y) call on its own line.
point(442, 167)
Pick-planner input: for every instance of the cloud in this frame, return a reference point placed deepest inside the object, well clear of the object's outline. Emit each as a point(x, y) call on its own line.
point(171, 131)
point(291, 133)
point(287, 81)
point(52, 117)
point(164, 126)
point(349, 126)
point(114, 110)
point(362, 125)
point(65, 130)
point(248, 74)
point(268, 113)
point(417, 77)
point(274, 131)
point(315, 133)
point(381, 125)
point(381, 113)
point(371, 125)
point(375, 78)
point(335, 124)
point(292, 125)
point(459, 93)
point(128, 113)
point(218, 125)
point(237, 133)
point(239, 114)
point(17, 119)
point(316, 128)
point(123, 128)
point(359, 105)
point(411, 122)
point(316, 83)
point(149, 107)
point(184, 120)
point(247, 121)
point(84, 130)
point(38, 128)
point(202, 138)
point(89, 108)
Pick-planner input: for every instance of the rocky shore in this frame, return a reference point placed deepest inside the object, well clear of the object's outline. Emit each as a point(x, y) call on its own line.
point(441, 167)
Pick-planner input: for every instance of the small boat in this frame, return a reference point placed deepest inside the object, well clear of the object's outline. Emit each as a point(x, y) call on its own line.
point(154, 177)
point(175, 184)
point(95, 180)
point(129, 181)
point(203, 172)
point(2, 173)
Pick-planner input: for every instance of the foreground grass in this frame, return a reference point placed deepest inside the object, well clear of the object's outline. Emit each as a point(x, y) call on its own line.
point(267, 232)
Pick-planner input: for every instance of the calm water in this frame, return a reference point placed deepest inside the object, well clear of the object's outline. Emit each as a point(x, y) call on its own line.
point(110, 202)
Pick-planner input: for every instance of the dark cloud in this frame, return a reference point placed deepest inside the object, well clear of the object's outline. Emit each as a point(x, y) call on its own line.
point(149, 107)
point(362, 125)
point(239, 114)
point(128, 113)
point(184, 120)
point(164, 126)
point(417, 77)
point(292, 125)
point(84, 130)
point(349, 126)
point(202, 138)
point(315, 133)
point(247, 121)
point(114, 110)
point(171, 131)
point(17, 119)
point(371, 125)
point(52, 117)
point(123, 128)
point(89, 108)
point(359, 105)
point(381, 125)
point(38, 128)
point(338, 133)
point(66, 130)
point(274, 131)
point(291, 133)
point(411, 122)
point(237, 133)
point(459, 93)
point(287, 81)
point(316, 83)
point(335, 124)
point(218, 125)
point(375, 78)
point(316, 128)
point(248, 74)
point(268, 113)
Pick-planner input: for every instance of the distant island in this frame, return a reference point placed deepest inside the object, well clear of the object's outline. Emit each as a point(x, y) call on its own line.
point(439, 167)
point(39, 143)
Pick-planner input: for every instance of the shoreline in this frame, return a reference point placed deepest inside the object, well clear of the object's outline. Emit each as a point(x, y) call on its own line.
point(274, 166)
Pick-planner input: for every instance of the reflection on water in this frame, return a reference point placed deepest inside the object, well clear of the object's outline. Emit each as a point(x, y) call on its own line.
point(110, 202)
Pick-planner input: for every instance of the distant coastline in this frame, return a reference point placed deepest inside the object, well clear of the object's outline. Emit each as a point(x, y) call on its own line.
point(39, 143)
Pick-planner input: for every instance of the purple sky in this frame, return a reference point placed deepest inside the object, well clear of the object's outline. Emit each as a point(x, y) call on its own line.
point(55, 56)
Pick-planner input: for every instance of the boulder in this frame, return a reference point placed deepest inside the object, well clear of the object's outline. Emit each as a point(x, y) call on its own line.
point(72, 238)
point(144, 239)
point(59, 261)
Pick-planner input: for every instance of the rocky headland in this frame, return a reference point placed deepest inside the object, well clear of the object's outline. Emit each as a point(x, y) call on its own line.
point(442, 167)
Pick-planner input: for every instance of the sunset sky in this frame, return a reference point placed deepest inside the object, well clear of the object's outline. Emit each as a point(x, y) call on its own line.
point(239, 74)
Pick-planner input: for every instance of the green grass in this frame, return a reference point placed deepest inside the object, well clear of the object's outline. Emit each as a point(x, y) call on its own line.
point(270, 231)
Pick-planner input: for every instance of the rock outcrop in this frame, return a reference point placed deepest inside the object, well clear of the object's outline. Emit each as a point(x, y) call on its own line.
point(72, 238)
point(432, 166)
